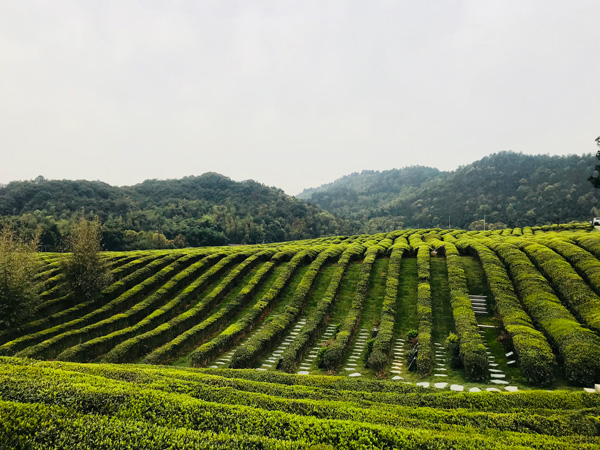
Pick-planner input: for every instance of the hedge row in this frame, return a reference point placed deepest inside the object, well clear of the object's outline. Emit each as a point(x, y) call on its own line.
point(317, 320)
point(382, 345)
point(61, 309)
point(72, 317)
point(578, 296)
point(584, 262)
point(365, 392)
point(145, 315)
point(473, 353)
point(590, 242)
point(247, 354)
point(37, 426)
point(536, 360)
point(238, 330)
point(347, 406)
point(307, 422)
point(334, 355)
point(424, 306)
point(192, 327)
point(67, 334)
point(578, 346)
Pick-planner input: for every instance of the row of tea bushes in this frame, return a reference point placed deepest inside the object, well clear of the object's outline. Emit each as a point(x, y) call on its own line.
point(317, 320)
point(335, 352)
point(536, 360)
point(243, 326)
point(251, 351)
point(382, 345)
point(577, 295)
point(195, 279)
point(473, 353)
point(578, 346)
point(424, 306)
point(78, 399)
point(111, 296)
point(71, 333)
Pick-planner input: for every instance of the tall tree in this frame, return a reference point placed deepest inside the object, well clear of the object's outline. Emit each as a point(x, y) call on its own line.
point(595, 179)
point(18, 266)
point(85, 272)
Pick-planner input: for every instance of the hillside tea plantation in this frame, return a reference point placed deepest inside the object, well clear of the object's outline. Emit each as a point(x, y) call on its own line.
point(410, 339)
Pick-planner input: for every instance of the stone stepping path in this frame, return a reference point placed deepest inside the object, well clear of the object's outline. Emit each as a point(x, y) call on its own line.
point(310, 359)
point(223, 361)
point(354, 360)
point(398, 359)
point(479, 304)
point(273, 359)
point(439, 359)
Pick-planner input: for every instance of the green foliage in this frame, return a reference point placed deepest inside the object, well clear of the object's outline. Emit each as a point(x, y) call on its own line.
point(452, 345)
point(336, 351)
point(86, 274)
point(578, 346)
point(210, 209)
point(382, 345)
point(247, 354)
point(46, 405)
point(573, 290)
point(510, 189)
point(536, 359)
point(19, 262)
point(316, 322)
point(472, 349)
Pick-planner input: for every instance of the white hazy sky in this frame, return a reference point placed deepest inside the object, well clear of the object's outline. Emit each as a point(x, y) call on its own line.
point(291, 94)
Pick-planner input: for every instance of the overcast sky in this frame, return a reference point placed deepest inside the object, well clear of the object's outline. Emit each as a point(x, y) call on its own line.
point(291, 94)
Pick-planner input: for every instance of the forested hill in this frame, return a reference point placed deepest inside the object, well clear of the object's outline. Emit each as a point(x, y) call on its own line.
point(510, 189)
point(210, 209)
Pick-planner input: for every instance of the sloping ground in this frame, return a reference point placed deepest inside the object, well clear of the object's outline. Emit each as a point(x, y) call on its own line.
point(523, 306)
point(47, 405)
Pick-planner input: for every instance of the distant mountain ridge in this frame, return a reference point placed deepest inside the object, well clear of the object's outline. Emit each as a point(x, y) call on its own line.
point(209, 209)
point(506, 188)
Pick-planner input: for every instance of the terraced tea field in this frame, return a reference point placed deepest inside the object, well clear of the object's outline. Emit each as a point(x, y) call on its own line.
point(415, 339)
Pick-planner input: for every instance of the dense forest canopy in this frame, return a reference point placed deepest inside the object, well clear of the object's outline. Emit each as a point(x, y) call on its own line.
point(509, 189)
point(210, 209)
point(506, 189)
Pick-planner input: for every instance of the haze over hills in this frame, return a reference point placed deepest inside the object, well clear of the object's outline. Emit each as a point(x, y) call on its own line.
point(507, 188)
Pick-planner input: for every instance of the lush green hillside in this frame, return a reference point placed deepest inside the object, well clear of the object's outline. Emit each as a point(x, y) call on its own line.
point(207, 210)
point(428, 334)
point(508, 188)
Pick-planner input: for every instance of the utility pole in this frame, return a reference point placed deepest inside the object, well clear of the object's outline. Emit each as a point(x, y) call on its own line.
point(484, 222)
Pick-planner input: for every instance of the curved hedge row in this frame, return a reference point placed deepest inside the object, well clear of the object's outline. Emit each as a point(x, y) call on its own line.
point(424, 306)
point(247, 354)
point(238, 330)
point(584, 262)
point(578, 346)
point(333, 356)
point(473, 353)
point(536, 359)
point(382, 345)
point(578, 296)
point(591, 243)
point(114, 296)
point(181, 330)
point(157, 402)
point(315, 323)
point(134, 318)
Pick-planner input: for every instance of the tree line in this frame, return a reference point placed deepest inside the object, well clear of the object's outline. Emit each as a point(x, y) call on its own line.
point(194, 211)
